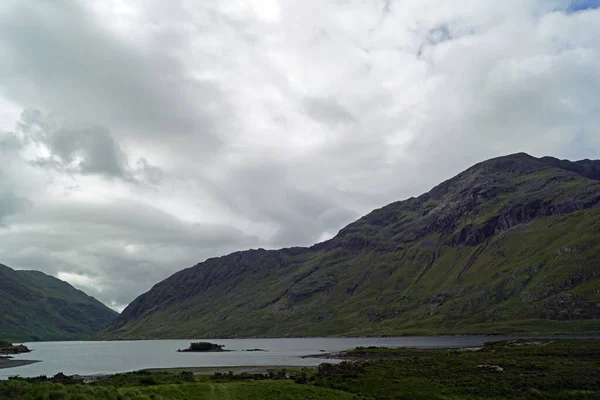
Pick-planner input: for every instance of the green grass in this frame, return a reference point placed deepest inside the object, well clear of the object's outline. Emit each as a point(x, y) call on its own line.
point(554, 369)
point(272, 389)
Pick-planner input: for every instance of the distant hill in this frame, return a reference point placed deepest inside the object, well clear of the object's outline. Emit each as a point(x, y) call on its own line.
point(36, 306)
point(511, 245)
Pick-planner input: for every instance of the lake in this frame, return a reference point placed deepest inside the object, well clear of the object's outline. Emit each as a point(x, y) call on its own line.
point(90, 358)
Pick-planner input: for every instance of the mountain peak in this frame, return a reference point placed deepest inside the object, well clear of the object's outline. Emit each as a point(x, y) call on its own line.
point(489, 198)
point(587, 168)
point(524, 163)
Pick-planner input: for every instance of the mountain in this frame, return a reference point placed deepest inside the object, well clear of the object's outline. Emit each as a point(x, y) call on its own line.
point(35, 306)
point(511, 245)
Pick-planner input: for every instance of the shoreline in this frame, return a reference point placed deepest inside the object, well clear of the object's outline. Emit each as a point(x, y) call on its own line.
point(237, 370)
point(366, 336)
point(250, 369)
point(10, 363)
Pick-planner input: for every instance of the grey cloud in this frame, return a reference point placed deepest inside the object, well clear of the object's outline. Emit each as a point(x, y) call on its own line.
point(531, 103)
point(140, 223)
point(302, 217)
point(57, 57)
point(116, 283)
point(271, 195)
point(12, 201)
point(81, 148)
point(92, 145)
point(150, 173)
point(102, 155)
point(124, 248)
point(327, 110)
point(9, 142)
point(304, 230)
point(439, 34)
point(11, 204)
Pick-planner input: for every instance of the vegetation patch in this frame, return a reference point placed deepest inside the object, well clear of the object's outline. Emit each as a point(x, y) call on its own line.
point(9, 348)
point(203, 347)
point(518, 369)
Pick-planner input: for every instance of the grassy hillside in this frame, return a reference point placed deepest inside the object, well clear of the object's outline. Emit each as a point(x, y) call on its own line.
point(35, 306)
point(512, 245)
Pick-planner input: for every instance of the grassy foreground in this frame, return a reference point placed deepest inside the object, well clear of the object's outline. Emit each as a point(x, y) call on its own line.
point(207, 390)
point(522, 369)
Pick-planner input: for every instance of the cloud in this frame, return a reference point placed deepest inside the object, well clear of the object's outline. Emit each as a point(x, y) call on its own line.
point(86, 149)
point(50, 142)
point(60, 56)
point(114, 250)
point(150, 173)
point(328, 111)
point(156, 135)
point(80, 280)
point(11, 204)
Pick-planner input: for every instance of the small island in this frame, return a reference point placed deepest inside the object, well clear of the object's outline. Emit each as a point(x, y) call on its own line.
point(9, 348)
point(203, 347)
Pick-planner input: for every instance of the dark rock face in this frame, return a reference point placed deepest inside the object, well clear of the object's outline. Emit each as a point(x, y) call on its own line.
point(480, 248)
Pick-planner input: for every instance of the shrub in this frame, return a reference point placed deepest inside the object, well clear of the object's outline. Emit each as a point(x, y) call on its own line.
point(147, 381)
point(301, 378)
point(204, 346)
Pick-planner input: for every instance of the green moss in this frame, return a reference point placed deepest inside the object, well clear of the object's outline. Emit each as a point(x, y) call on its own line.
point(537, 176)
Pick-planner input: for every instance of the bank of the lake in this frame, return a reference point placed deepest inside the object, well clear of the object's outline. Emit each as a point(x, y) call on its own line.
point(515, 369)
point(96, 357)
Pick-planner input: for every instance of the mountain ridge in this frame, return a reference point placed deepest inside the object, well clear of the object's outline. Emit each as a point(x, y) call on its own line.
point(478, 250)
point(35, 306)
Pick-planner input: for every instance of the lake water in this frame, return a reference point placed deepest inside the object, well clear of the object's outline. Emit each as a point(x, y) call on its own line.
point(90, 358)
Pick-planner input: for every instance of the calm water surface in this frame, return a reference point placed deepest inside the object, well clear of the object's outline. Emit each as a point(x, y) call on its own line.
point(89, 358)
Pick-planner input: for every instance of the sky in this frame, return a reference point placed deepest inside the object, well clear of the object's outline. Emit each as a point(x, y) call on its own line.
point(140, 137)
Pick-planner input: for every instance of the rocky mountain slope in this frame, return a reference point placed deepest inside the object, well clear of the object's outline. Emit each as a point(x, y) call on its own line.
point(36, 306)
point(511, 245)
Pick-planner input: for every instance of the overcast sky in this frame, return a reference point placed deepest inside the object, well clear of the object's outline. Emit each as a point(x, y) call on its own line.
point(138, 137)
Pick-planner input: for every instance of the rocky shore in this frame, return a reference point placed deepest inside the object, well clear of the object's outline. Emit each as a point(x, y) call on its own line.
point(7, 349)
